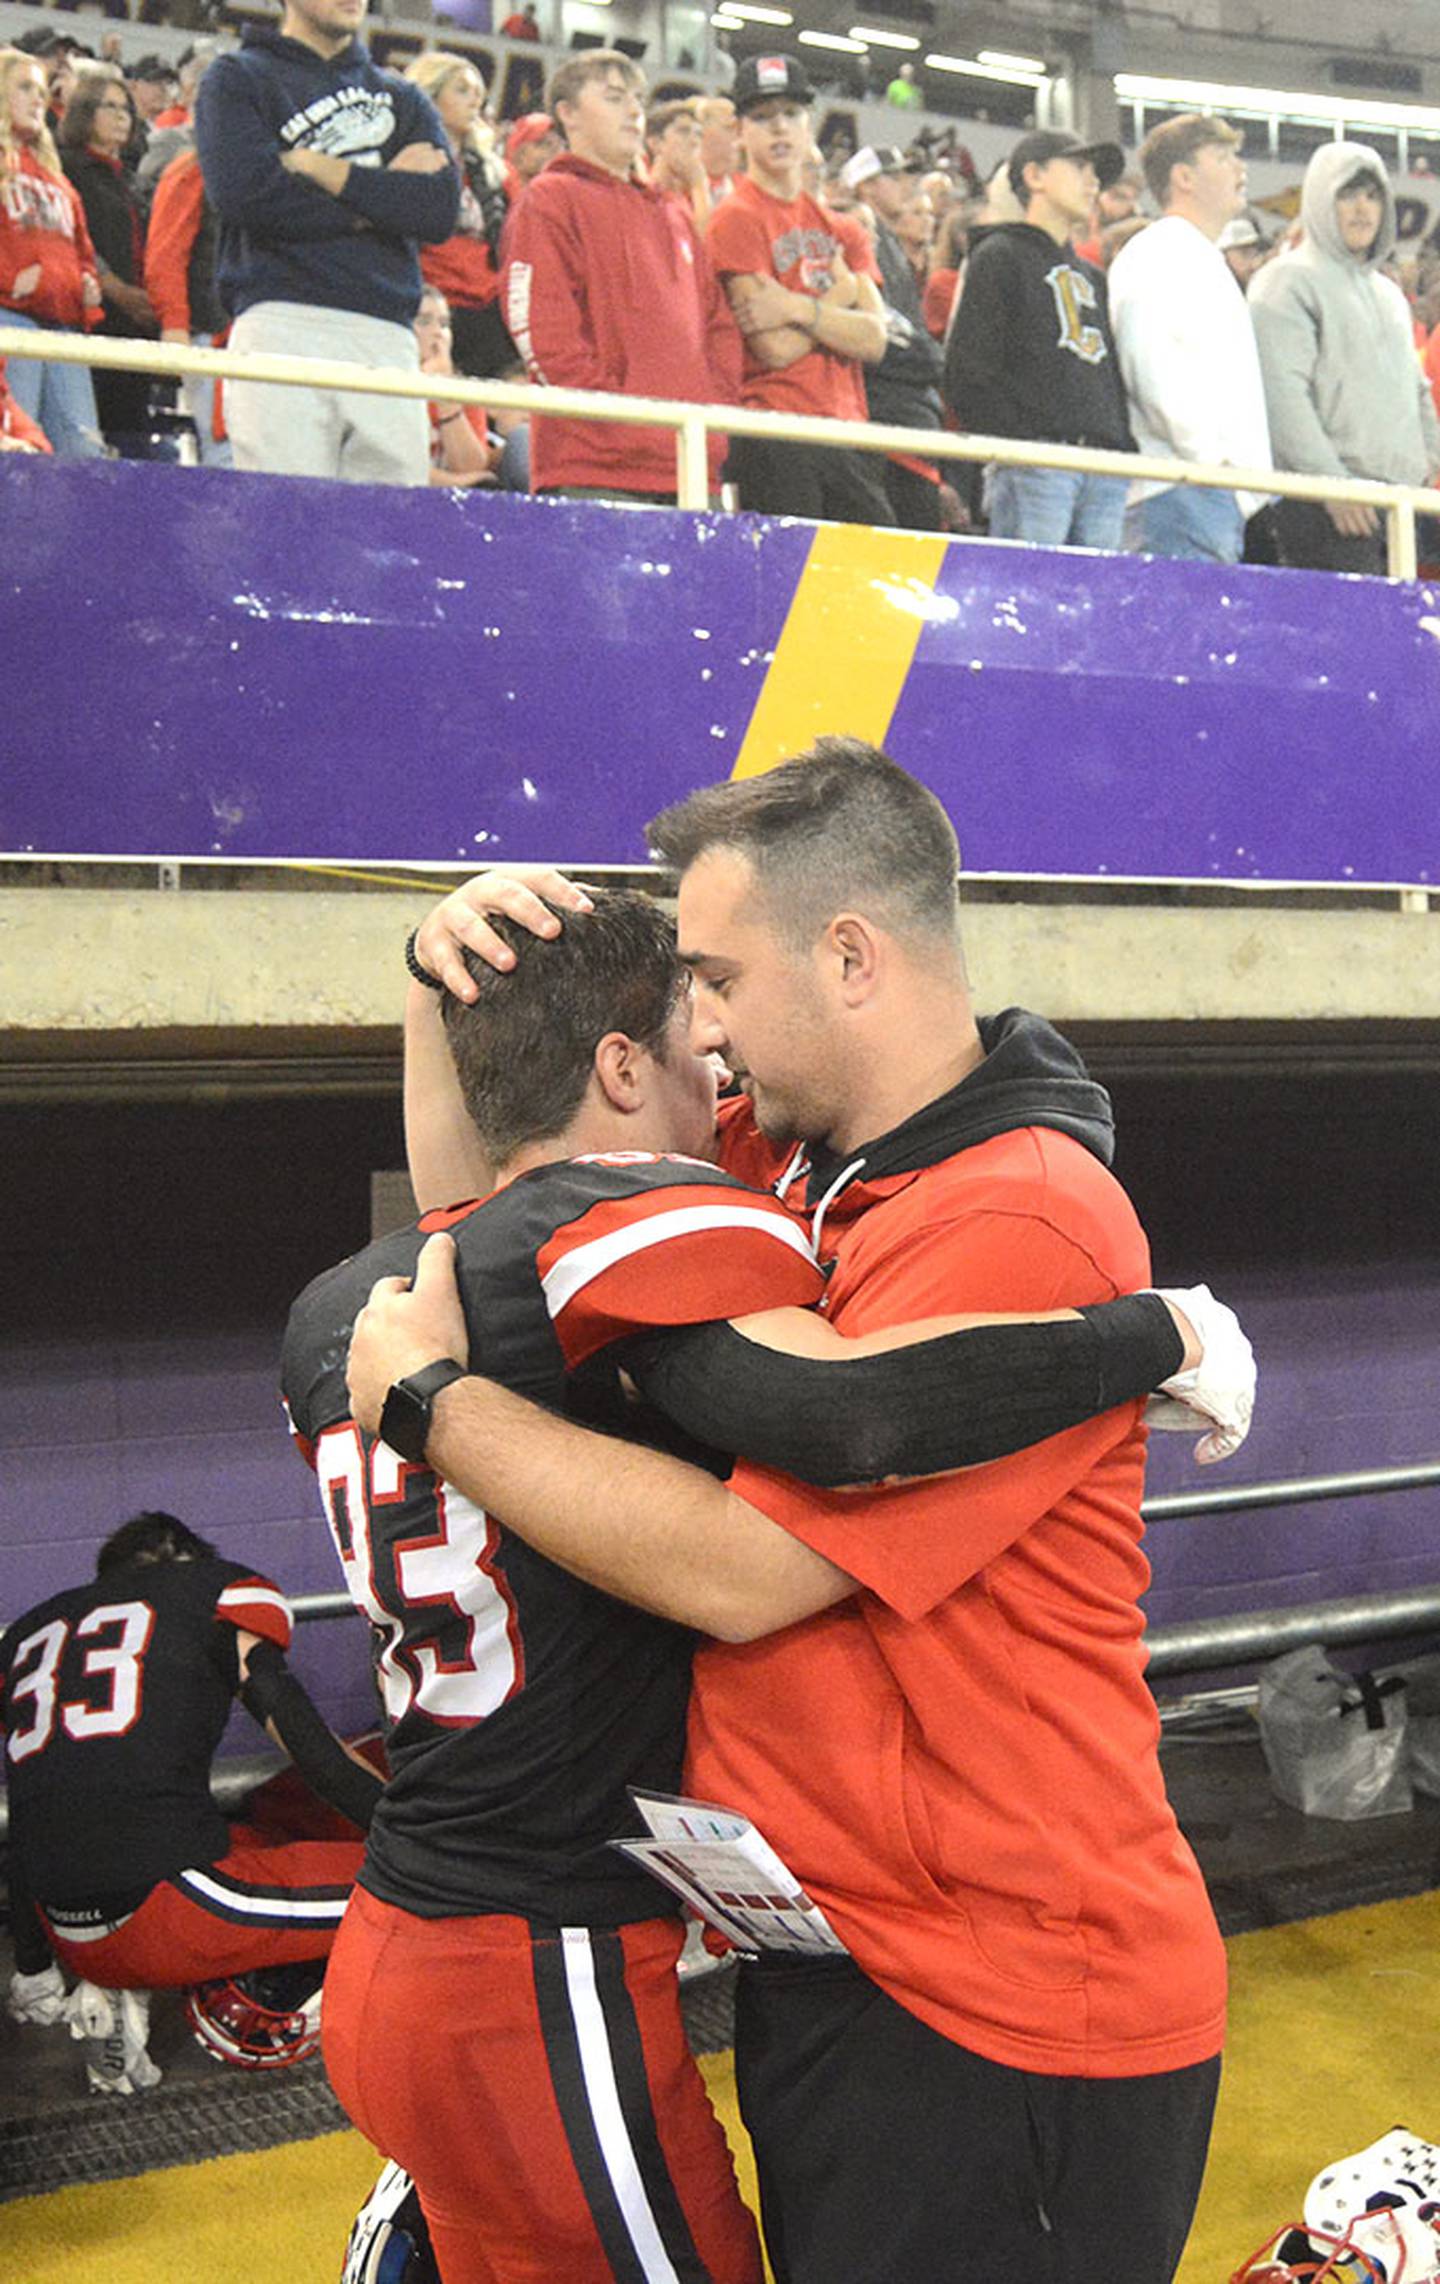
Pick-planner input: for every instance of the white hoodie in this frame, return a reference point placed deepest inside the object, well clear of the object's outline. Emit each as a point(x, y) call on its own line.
point(1345, 390)
point(1187, 353)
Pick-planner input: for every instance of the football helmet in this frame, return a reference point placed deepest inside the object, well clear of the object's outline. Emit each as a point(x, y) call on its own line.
point(245, 2022)
point(1373, 2218)
point(389, 2242)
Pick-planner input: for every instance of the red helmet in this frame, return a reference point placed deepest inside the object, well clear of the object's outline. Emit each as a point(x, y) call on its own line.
point(237, 2026)
point(1373, 2218)
point(1303, 2256)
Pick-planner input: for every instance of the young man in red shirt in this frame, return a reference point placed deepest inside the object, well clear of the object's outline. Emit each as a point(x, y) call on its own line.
point(806, 297)
point(607, 285)
point(929, 1697)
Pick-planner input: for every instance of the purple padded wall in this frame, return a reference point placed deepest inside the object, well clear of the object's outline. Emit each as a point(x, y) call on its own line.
point(289, 669)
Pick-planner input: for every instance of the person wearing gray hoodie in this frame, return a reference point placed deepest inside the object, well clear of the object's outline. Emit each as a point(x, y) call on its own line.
point(1343, 386)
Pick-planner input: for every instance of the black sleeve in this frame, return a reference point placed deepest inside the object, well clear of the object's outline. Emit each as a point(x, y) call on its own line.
point(949, 1402)
point(28, 1939)
point(272, 1693)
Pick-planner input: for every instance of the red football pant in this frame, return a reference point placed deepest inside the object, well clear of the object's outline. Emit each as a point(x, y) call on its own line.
point(539, 2090)
point(261, 1905)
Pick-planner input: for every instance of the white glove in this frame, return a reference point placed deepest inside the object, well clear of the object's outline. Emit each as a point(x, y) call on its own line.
point(38, 1998)
point(1221, 1387)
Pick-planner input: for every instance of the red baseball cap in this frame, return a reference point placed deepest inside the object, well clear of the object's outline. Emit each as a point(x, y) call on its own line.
point(533, 128)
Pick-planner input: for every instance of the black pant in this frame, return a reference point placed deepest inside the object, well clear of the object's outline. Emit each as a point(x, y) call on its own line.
point(1308, 541)
point(480, 346)
point(914, 500)
point(888, 2155)
point(808, 480)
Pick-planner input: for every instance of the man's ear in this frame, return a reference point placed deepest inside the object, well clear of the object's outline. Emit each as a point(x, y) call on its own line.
point(620, 1072)
point(851, 947)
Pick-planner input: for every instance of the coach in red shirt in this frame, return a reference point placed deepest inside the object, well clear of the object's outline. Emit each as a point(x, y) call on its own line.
point(607, 285)
point(929, 1697)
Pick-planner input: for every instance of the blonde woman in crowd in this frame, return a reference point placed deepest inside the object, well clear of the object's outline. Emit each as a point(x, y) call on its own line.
point(465, 269)
point(48, 275)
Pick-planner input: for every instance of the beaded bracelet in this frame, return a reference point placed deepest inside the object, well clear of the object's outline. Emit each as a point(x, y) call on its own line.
point(421, 975)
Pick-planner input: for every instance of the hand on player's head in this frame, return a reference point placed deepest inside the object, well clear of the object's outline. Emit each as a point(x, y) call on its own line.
point(460, 923)
point(403, 1327)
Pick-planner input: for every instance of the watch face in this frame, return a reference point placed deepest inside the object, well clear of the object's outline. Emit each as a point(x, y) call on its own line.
point(405, 1420)
point(405, 1423)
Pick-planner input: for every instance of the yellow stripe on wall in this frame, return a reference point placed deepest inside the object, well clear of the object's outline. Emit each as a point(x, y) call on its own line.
point(847, 643)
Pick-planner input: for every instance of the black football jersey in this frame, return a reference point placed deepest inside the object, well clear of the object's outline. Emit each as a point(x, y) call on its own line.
point(521, 1703)
point(115, 1696)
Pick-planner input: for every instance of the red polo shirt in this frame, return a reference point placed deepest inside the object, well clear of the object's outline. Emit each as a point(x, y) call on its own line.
point(960, 1762)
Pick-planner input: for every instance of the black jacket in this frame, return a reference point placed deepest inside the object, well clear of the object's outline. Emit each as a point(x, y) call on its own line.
point(1031, 352)
point(111, 211)
point(904, 388)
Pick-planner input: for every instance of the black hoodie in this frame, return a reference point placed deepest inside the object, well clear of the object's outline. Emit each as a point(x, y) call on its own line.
point(1030, 352)
point(1030, 1077)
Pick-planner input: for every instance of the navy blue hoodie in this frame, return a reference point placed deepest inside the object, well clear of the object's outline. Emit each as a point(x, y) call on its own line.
point(283, 238)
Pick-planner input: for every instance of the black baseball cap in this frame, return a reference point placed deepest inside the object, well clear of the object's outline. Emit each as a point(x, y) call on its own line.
point(1049, 143)
point(153, 69)
point(760, 79)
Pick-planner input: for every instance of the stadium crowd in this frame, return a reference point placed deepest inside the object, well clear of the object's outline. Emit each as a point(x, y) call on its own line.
point(292, 197)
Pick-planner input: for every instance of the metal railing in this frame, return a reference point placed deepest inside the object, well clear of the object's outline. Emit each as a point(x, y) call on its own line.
point(1204, 1645)
point(694, 424)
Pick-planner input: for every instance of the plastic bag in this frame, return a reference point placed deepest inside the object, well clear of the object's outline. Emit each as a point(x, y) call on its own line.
point(1335, 1743)
point(1423, 1732)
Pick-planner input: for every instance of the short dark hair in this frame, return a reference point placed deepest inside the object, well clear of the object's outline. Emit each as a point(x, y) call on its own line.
point(1175, 142)
point(151, 1537)
point(841, 824)
point(525, 1050)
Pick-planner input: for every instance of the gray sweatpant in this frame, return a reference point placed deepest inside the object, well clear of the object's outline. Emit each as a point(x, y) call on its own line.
point(283, 431)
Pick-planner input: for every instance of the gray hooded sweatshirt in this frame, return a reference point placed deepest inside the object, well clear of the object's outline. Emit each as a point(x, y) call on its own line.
point(1343, 384)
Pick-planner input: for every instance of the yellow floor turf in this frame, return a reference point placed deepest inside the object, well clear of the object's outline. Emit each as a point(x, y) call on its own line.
point(1333, 2039)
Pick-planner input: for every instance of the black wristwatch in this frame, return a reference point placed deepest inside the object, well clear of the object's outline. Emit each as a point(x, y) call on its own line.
point(405, 1419)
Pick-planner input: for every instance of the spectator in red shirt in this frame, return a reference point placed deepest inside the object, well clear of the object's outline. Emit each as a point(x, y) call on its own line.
point(461, 454)
point(607, 285)
point(529, 147)
point(189, 72)
point(18, 432)
point(180, 248)
point(1118, 202)
point(719, 145)
point(673, 136)
point(154, 87)
point(465, 268)
point(806, 297)
point(48, 275)
point(522, 25)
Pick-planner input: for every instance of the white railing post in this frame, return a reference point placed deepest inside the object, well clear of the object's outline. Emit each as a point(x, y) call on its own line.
point(1401, 559)
point(692, 489)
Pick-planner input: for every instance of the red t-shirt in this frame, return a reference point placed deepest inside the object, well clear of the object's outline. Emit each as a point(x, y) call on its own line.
point(960, 1762)
point(797, 241)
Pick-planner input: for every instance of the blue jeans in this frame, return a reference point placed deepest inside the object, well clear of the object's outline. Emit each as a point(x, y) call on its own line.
point(60, 397)
point(1206, 526)
point(1053, 507)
